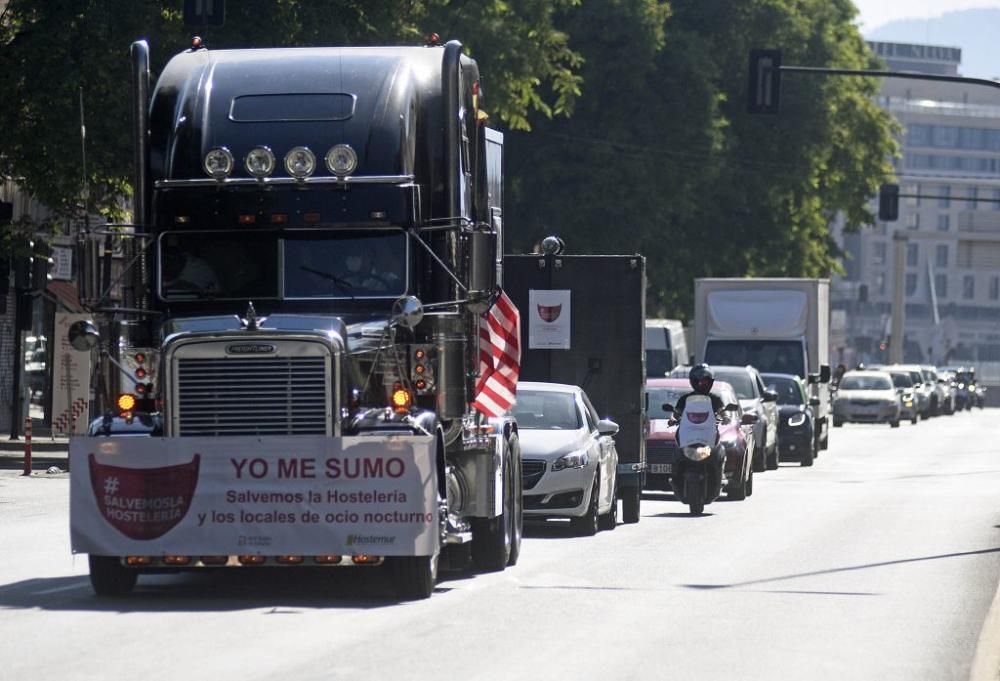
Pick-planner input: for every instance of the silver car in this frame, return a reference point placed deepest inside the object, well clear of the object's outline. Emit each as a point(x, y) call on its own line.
point(866, 397)
point(568, 457)
point(755, 398)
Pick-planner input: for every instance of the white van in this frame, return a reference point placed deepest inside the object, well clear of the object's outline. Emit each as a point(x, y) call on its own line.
point(666, 346)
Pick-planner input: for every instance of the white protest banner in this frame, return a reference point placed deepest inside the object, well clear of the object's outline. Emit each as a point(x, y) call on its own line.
point(302, 495)
point(549, 319)
point(70, 379)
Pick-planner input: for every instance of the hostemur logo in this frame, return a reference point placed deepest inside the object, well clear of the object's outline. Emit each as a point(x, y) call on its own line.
point(369, 540)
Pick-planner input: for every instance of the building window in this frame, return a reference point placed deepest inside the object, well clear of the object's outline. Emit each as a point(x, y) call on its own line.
point(973, 194)
point(880, 283)
point(911, 283)
point(996, 199)
point(941, 256)
point(912, 255)
point(913, 221)
point(968, 287)
point(912, 192)
point(944, 222)
point(878, 253)
point(994, 288)
point(941, 285)
point(944, 197)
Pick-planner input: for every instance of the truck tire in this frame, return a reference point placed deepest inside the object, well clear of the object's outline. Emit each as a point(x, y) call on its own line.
point(492, 538)
point(514, 445)
point(414, 576)
point(109, 577)
point(630, 505)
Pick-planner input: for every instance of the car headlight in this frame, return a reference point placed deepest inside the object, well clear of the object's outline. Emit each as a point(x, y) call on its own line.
point(218, 163)
point(300, 162)
point(796, 420)
point(574, 460)
point(341, 160)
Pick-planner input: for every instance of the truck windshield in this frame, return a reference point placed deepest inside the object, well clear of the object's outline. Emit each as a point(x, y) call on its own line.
point(296, 264)
point(772, 357)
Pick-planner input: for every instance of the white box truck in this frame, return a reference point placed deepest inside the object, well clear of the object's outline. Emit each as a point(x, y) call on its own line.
point(776, 325)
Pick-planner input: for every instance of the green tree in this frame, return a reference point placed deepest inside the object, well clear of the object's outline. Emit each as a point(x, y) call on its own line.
point(52, 50)
point(660, 157)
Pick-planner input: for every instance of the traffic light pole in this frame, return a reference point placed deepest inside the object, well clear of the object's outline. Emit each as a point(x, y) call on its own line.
point(899, 241)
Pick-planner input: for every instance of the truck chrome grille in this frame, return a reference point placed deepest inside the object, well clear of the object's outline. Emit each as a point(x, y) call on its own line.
point(252, 396)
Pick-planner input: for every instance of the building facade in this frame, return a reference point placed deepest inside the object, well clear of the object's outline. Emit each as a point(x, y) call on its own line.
point(949, 212)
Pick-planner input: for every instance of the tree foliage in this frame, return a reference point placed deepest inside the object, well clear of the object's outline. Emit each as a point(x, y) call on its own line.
point(660, 157)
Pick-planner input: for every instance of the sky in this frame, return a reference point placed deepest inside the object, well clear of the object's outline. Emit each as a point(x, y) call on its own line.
point(874, 13)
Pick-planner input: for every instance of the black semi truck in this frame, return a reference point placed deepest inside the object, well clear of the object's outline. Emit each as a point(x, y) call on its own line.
point(602, 349)
point(316, 237)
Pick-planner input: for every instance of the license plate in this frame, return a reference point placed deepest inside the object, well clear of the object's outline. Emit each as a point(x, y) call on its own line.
point(661, 468)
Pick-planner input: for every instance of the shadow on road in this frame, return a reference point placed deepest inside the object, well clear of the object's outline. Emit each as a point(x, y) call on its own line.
point(284, 591)
point(849, 568)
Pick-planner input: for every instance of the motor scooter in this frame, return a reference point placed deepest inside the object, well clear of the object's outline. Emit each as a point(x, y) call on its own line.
point(698, 472)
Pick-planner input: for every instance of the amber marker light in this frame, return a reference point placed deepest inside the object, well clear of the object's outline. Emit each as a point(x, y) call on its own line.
point(328, 560)
point(176, 560)
point(252, 560)
point(401, 399)
point(290, 560)
point(136, 561)
point(279, 218)
point(364, 559)
point(247, 219)
point(310, 217)
point(126, 402)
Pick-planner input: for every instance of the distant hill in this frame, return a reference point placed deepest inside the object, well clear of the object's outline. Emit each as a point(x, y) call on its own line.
point(976, 31)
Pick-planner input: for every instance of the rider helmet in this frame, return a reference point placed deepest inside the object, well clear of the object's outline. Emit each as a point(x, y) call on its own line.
point(701, 378)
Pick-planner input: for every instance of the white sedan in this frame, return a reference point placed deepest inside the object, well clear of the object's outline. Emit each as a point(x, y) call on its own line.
point(568, 454)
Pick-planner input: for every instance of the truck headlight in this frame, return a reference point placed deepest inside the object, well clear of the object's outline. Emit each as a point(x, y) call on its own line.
point(796, 420)
point(574, 460)
point(341, 160)
point(259, 162)
point(300, 162)
point(218, 163)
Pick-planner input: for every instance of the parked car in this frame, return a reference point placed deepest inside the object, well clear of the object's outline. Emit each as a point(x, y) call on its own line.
point(866, 397)
point(903, 383)
point(756, 399)
point(796, 417)
point(568, 457)
point(661, 444)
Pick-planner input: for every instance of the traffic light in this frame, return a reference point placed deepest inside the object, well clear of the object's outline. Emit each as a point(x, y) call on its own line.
point(888, 203)
point(764, 91)
point(204, 12)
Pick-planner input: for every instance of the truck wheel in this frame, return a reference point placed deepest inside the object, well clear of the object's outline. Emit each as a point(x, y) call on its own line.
point(514, 445)
point(414, 576)
point(587, 525)
point(630, 505)
point(492, 537)
point(109, 577)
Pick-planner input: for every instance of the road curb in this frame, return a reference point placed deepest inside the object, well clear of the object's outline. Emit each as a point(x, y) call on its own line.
point(986, 663)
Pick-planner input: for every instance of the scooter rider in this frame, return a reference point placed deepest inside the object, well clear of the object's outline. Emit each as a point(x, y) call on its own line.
point(702, 379)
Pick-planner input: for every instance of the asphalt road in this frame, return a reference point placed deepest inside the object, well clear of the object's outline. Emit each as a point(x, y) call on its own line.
point(880, 562)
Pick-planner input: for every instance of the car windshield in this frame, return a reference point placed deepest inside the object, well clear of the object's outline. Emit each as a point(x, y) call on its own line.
point(901, 380)
point(657, 397)
point(776, 357)
point(740, 380)
point(865, 383)
point(788, 389)
point(546, 410)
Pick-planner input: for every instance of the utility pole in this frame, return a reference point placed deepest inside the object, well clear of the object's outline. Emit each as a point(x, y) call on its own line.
point(899, 242)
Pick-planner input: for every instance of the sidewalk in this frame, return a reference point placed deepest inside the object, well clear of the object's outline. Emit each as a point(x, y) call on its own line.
point(45, 453)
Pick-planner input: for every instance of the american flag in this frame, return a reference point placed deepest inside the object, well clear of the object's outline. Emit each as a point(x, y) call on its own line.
point(499, 357)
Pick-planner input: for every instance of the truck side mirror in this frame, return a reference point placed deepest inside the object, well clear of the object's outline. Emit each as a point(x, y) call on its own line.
point(407, 312)
point(83, 335)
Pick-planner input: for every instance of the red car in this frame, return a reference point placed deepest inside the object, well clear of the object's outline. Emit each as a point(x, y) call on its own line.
point(661, 446)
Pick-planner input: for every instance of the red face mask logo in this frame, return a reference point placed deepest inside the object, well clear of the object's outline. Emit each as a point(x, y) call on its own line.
point(549, 313)
point(697, 416)
point(144, 503)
